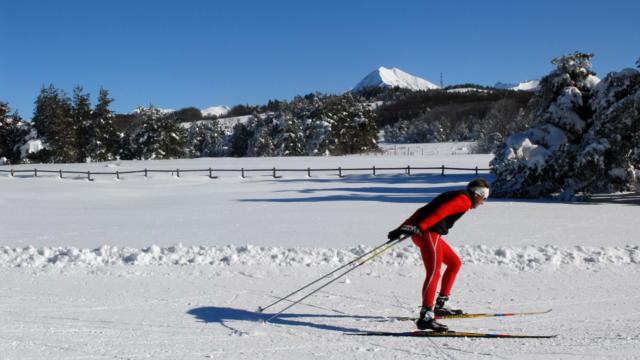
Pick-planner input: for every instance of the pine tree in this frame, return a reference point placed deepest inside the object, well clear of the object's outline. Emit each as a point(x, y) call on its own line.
point(290, 141)
point(318, 130)
point(104, 145)
point(81, 114)
point(206, 138)
point(609, 154)
point(53, 121)
point(157, 137)
point(239, 141)
point(355, 130)
point(261, 143)
point(537, 162)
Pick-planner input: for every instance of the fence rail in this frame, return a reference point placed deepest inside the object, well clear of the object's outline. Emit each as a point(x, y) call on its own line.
point(243, 172)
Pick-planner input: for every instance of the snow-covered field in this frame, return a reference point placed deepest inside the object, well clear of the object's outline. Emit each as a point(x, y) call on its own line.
point(175, 268)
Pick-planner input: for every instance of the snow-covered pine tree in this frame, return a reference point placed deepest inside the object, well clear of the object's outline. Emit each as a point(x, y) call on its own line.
point(425, 129)
point(609, 155)
point(261, 143)
point(206, 139)
point(364, 125)
point(290, 140)
point(104, 144)
point(53, 121)
point(316, 126)
point(318, 130)
point(397, 132)
point(158, 136)
point(536, 162)
point(17, 135)
point(355, 130)
point(81, 114)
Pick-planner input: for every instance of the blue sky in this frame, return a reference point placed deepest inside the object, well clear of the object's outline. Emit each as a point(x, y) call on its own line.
point(176, 54)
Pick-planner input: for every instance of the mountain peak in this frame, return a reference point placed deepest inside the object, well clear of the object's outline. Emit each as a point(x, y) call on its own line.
point(385, 77)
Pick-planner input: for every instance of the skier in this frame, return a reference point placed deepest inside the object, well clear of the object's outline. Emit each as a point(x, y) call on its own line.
point(426, 226)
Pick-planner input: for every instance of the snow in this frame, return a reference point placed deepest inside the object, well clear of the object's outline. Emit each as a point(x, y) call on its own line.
point(32, 146)
point(161, 110)
point(175, 267)
point(529, 85)
point(219, 110)
point(384, 77)
point(226, 124)
point(467, 90)
point(522, 258)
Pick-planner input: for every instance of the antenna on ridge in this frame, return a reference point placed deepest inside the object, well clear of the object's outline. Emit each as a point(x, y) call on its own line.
point(441, 82)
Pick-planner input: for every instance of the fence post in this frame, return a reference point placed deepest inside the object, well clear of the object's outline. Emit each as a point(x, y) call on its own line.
point(340, 171)
point(60, 173)
point(211, 175)
point(308, 172)
point(274, 173)
point(89, 175)
point(442, 170)
point(408, 169)
point(12, 175)
point(35, 172)
point(145, 172)
point(374, 170)
point(178, 172)
point(476, 171)
point(242, 173)
point(117, 174)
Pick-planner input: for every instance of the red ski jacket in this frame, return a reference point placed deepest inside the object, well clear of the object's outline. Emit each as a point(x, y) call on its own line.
point(441, 213)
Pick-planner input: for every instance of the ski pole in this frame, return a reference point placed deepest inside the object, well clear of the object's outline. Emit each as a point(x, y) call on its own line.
point(261, 309)
point(388, 245)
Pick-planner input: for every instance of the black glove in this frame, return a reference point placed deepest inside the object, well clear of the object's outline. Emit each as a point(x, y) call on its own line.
point(403, 230)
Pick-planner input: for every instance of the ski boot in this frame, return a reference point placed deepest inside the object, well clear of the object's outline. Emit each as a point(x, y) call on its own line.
point(442, 310)
point(427, 321)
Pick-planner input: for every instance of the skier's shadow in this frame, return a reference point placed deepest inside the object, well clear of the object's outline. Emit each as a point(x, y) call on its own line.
point(211, 314)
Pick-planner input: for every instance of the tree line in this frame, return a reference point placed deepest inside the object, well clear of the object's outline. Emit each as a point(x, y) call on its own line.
point(69, 129)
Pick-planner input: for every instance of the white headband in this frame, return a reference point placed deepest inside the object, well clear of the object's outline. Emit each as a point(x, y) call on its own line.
point(481, 191)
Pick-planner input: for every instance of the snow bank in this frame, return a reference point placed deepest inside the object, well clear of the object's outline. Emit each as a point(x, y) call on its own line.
point(520, 258)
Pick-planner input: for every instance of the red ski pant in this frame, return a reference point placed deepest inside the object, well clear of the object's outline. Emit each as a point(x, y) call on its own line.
point(435, 251)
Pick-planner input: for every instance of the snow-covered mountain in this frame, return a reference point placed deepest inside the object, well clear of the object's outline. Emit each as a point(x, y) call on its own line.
point(384, 77)
point(529, 85)
point(219, 110)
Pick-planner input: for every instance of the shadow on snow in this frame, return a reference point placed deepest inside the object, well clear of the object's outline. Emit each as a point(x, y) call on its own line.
point(212, 314)
point(375, 192)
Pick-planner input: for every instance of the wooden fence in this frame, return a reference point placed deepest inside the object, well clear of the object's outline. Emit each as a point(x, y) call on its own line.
point(210, 172)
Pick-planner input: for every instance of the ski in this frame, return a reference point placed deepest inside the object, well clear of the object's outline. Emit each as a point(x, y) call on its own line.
point(451, 333)
point(470, 315)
